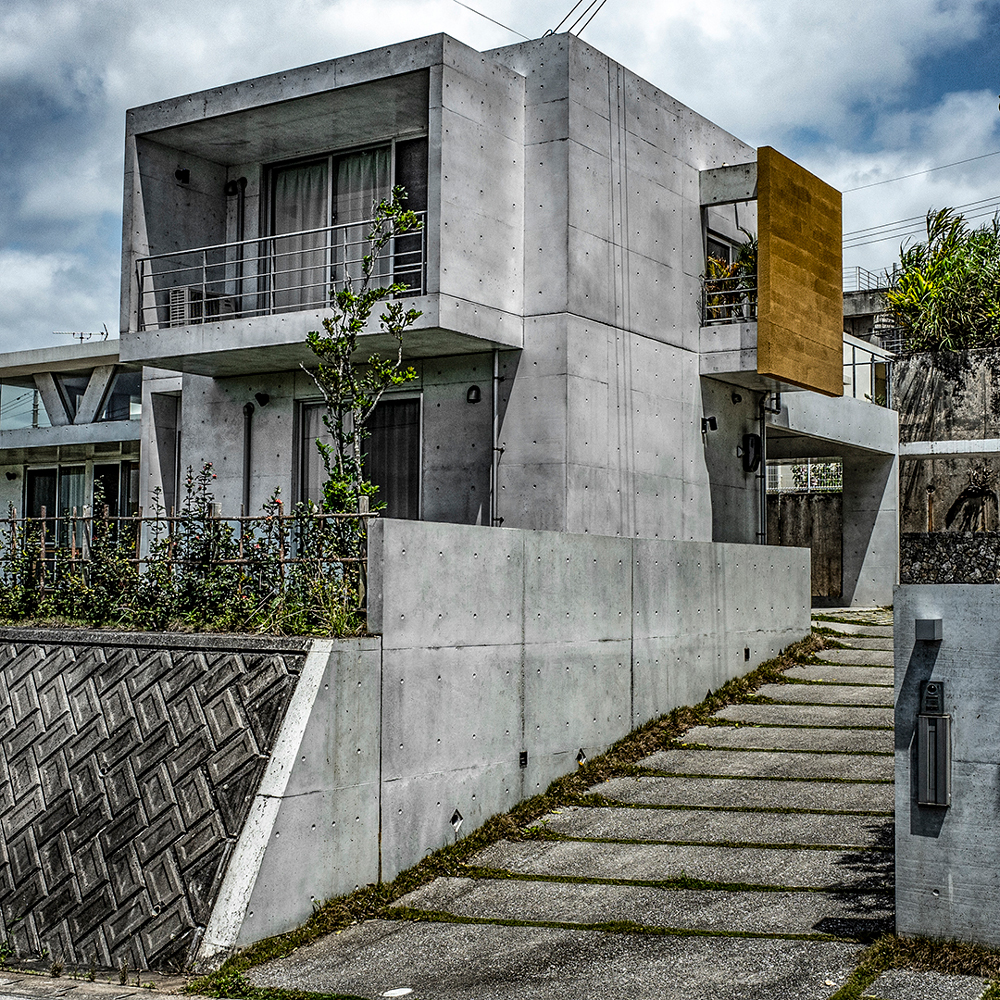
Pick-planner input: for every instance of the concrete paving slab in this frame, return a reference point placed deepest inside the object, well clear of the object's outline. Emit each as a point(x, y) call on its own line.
point(734, 763)
point(487, 962)
point(828, 694)
point(858, 642)
point(105, 986)
point(858, 657)
point(792, 868)
point(906, 984)
point(791, 738)
point(858, 916)
point(719, 826)
point(842, 675)
point(856, 628)
point(809, 715)
point(762, 793)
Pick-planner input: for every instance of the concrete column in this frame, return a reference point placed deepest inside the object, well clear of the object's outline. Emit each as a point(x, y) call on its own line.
point(871, 530)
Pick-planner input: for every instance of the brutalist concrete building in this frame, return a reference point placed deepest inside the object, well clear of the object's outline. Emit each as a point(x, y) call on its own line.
point(573, 373)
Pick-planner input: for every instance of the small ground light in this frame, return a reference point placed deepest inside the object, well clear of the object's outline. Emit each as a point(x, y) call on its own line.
point(400, 991)
point(456, 820)
point(581, 757)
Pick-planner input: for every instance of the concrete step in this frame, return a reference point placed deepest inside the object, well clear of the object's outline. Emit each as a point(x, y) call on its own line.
point(907, 984)
point(828, 694)
point(719, 826)
point(791, 868)
point(754, 763)
point(857, 642)
point(487, 962)
point(857, 657)
point(762, 793)
point(808, 715)
point(792, 738)
point(840, 914)
point(852, 628)
point(842, 675)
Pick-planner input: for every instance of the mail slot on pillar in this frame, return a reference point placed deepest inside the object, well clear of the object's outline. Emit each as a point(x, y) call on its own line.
point(933, 748)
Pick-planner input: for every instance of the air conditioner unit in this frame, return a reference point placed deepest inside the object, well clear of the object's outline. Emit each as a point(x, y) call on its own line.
point(190, 305)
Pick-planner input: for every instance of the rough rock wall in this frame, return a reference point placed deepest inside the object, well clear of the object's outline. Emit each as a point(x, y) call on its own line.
point(949, 557)
point(127, 766)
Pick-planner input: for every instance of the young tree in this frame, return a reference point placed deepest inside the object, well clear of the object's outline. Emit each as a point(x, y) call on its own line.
point(350, 390)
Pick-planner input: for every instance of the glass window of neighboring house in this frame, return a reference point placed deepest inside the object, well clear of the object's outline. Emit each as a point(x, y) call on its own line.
point(318, 211)
point(124, 399)
point(392, 459)
point(21, 405)
point(72, 387)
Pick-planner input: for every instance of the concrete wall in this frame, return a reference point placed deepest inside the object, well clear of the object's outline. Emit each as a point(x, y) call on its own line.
point(500, 641)
point(948, 859)
point(815, 521)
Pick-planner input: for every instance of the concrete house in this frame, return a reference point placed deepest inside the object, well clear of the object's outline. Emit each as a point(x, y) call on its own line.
point(70, 421)
point(566, 379)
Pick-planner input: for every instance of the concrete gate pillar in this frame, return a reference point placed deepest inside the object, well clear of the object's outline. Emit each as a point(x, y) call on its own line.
point(871, 531)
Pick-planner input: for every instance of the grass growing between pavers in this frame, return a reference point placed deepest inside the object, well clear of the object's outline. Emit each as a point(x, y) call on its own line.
point(370, 902)
point(950, 958)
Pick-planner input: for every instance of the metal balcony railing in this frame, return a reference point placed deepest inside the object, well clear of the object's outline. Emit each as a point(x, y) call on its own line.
point(728, 300)
point(289, 272)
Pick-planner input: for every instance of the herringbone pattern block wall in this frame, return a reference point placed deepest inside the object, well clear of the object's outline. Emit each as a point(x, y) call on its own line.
point(126, 774)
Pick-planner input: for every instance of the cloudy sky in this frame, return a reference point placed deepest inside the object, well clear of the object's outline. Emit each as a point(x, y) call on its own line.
point(858, 91)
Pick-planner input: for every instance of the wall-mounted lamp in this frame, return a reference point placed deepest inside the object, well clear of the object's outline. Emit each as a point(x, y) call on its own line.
point(262, 398)
point(736, 398)
point(925, 629)
point(709, 424)
point(456, 821)
point(581, 758)
point(183, 175)
point(474, 395)
point(11, 476)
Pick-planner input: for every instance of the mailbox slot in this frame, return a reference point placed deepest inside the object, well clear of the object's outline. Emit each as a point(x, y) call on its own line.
point(934, 760)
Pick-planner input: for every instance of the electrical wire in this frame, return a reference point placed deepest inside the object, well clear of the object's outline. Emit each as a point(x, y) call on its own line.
point(566, 18)
point(917, 231)
point(488, 18)
point(591, 18)
point(919, 218)
point(587, 10)
point(918, 173)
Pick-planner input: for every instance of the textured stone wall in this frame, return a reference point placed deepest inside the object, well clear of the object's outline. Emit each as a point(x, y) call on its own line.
point(949, 557)
point(127, 768)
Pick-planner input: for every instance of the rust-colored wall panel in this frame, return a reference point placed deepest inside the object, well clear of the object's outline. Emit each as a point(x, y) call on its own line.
point(800, 309)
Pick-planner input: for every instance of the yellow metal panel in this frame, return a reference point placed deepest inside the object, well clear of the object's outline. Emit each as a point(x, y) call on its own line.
point(800, 308)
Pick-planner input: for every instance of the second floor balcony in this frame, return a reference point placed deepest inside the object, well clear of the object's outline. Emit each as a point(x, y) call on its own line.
point(287, 272)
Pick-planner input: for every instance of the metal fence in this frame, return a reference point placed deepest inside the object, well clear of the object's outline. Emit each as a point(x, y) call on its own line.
point(728, 300)
point(287, 272)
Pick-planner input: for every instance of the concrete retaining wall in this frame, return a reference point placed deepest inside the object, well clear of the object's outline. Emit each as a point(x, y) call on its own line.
point(813, 520)
point(127, 767)
point(948, 858)
point(498, 641)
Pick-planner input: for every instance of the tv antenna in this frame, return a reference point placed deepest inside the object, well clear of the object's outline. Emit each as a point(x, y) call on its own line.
point(82, 336)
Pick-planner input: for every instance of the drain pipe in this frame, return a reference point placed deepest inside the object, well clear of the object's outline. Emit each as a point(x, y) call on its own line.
point(764, 410)
point(248, 409)
point(496, 451)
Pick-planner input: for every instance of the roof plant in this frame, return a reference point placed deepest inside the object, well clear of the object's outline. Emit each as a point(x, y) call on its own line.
point(946, 295)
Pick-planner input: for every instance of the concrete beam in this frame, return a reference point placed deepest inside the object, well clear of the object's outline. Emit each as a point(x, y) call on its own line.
point(977, 448)
point(808, 420)
point(86, 411)
point(726, 185)
point(63, 357)
point(51, 399)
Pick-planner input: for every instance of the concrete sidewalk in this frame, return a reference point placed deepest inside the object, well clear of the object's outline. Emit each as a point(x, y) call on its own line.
point(756, 860)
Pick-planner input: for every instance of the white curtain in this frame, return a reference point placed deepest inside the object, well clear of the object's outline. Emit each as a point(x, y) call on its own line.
point(363, 180)
point(300, 265)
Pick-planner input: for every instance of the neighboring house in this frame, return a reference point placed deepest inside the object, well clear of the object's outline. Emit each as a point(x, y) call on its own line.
point(70, 420)
point(567, 378)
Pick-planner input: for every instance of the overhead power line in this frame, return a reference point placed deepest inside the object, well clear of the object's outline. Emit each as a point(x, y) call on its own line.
point(973, 205)
point(913, 231)
point(488, 18)
point(917, 173)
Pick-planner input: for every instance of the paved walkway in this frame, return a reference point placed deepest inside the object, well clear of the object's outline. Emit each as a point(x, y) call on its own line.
point(755, 862)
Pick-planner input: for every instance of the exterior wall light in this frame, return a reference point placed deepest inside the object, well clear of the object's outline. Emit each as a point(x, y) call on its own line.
point(709, 424)
point(183, 175)
point(11, 476)
point(474, 395)
point(262, 398)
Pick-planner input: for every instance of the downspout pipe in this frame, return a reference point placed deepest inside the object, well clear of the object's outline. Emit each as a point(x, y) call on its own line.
point(248, 409)
point(764, 411)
